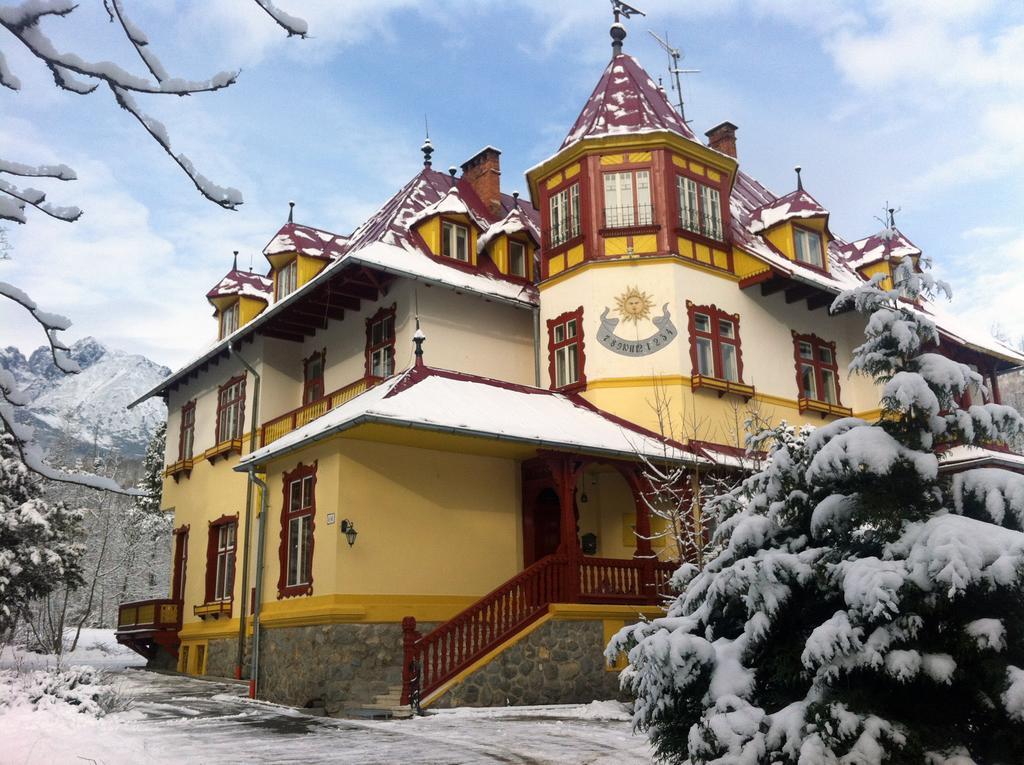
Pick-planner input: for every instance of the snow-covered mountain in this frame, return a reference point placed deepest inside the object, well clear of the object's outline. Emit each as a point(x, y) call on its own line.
point(85, 413)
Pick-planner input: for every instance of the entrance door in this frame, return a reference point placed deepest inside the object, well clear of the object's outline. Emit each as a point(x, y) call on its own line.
point(180, 563)
point(547, 524)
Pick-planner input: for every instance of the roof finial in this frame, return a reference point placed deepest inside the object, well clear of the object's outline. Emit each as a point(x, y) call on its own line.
point(234, 266)
point(291, 212)
point(515, 198)
point(799, 180)
point(452, 171)
point(892, 217)
point(418, 338)
point(427, 148)
point(618, 32)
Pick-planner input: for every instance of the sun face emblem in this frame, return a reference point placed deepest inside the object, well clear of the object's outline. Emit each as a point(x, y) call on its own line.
point(634, 305)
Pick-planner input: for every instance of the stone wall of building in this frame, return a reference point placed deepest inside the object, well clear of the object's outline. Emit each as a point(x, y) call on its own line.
point(221, 655)
point(561, 662)
point(335, 666)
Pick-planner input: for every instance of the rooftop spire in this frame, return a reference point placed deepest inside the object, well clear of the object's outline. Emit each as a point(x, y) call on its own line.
point(234, 266)
point(799, 180)
point(427, 148)
point(291, 212)
point(418, 338)
point(618, 31)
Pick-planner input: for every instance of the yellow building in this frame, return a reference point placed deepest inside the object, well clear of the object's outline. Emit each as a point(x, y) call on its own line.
point(413, 463)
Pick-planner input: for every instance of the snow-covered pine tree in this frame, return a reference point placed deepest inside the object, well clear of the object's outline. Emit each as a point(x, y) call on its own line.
point(38, 551)
point(863, 609)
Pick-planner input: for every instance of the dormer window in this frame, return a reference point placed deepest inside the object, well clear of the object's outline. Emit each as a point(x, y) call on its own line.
point(565, 215)
point(700, 208)
point(229, 320)
point(627, 199)
point(287, 280)
point(808, 246)
point(455, 241)
point(517, 258)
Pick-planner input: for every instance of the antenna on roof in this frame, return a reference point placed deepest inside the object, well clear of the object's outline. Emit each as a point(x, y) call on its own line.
point(291, 212)
point(618, 32)
point(889, 215)
point(799, 180)
point(427, 148)
point(250, 262)
point(675, 56)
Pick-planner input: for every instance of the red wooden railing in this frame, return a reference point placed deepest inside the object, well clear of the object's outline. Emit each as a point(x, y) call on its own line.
point(435, 658)
point(273, 429)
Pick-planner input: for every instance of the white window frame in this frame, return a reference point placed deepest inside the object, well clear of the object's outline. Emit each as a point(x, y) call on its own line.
point(804, 240)
point(287, 280)
point(564, 207)
point(299, 533)
point(224, 582)
point(512, 269)
point(700, 208)
point(451, 239)
point(229, 320)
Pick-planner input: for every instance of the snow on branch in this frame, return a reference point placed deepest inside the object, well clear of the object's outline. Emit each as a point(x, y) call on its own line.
point(75, 74)
point(293, 25)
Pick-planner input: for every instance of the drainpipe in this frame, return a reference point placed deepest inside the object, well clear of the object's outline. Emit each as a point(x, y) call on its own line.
point(260, 544)
point(248, 515)
point(536, 346)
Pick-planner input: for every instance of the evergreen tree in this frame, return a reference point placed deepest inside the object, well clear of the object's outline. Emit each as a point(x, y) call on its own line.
point(152, 482)
point(863, 609)
point(38, 551)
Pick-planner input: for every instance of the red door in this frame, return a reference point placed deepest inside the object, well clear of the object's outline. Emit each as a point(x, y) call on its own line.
point(547, 524)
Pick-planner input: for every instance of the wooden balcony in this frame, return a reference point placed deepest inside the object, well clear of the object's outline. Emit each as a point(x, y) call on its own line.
point(286, 423)
point(146, 626)
point(213, 610)
point(698, 382)
point(179, 469)
point(825, 409)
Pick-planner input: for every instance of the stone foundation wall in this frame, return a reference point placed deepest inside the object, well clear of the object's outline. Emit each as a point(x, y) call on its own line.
point(221, 654)
point(561, 662)
point(336, 666)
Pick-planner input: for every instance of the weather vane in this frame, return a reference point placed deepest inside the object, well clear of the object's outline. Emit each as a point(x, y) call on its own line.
point(618, 32)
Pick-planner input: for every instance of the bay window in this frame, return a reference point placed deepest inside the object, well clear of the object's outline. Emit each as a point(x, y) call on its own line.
point(564, 207)
point(700, 208)
point(455, 241)
point(627, 199)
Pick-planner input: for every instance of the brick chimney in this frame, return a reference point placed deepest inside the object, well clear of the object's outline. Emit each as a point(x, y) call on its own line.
point(722, 138)
point(483, 172)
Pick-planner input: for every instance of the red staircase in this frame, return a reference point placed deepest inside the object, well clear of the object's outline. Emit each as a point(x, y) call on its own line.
point(433, 659)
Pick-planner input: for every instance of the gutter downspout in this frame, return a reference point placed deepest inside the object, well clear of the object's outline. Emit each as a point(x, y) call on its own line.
point(240, 655)
point(536, 346)
point(261, 537)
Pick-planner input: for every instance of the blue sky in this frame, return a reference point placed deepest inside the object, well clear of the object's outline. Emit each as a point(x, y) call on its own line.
point(915, 102)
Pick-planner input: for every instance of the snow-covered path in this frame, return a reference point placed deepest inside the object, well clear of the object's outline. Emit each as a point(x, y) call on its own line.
point(182, 720)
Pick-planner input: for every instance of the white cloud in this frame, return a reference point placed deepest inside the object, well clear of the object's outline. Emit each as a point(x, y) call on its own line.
point(987, 288)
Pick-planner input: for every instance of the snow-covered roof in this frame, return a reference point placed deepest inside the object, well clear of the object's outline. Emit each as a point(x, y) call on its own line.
point(243, 283)
point(887, 243)
point(797, 204)
point(964, 457)
point(293, 237)
point(626, 100)
point(513, 223)
point(440, 400)
point(451, 202)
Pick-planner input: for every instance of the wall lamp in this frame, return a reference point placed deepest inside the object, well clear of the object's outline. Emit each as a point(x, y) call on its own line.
point(349, 530)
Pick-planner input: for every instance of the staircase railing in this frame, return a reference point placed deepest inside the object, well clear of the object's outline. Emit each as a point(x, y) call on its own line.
point(433, 659)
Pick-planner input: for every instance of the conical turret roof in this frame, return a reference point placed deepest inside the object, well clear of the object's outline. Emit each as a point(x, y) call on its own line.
point(626, 100)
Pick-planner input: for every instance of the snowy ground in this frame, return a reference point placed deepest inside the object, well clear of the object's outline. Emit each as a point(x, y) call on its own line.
point(176, 720)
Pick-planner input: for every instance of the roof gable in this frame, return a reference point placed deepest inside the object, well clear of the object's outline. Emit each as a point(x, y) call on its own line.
point(244, 284)
point(795, 205)
point(306, 240)
point(626, 100)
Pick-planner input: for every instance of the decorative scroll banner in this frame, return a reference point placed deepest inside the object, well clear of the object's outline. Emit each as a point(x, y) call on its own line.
point(644, 347)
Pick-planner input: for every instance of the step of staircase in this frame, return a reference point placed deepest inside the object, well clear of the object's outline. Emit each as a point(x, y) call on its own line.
point(385, 706)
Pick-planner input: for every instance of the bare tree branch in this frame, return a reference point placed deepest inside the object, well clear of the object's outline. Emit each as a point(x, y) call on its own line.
point(60, 172)
point(291, 24)
point(37, 199)
point(7, 78)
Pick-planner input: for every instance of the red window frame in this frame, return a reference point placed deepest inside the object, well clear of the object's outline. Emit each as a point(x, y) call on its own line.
point(577, 339)
point(302, 476)
point(386, 342)
point(574, 233)
point(313, 387)
point(187, 425)
point(714, 334)
point(703, 227)
point(817, 345)
point(823, 268)
point(640, 218)
point(221, 548)
point(223, 405)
